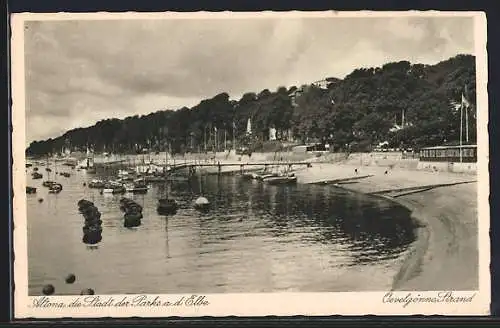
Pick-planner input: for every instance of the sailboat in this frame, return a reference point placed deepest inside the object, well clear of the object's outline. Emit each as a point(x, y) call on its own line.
point(283, 177)
point(48, 183)
point(166, 205)
point(137, 187)
point(90, 169)
point(55, 187)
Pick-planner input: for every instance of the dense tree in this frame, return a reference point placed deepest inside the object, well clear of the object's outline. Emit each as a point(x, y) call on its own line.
point(404, 104)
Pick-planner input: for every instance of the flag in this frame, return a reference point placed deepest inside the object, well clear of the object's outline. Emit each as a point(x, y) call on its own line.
point(455, 106)
point(465, 102)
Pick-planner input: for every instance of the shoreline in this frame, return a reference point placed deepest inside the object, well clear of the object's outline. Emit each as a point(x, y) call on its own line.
point(444, 255)
point(446, 233)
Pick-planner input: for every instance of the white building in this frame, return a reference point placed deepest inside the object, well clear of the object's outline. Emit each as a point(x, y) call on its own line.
point(272, 134)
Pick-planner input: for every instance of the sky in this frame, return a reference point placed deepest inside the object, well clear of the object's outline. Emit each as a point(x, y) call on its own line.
point(79, 71)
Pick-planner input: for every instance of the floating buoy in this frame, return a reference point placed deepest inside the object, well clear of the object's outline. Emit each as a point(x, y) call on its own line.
point(84, 184)
point(87, 291)
point(201, 203)
point(48, 289)
point(40, 200)
point(70, 278)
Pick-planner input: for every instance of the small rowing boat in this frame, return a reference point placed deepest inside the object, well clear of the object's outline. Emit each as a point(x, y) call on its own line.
point(55, 188)
point(48, 183)
point(281, 179)
point(137, 188)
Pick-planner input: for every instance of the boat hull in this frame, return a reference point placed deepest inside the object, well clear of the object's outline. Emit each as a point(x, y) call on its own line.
point(281, 180)
point(113, 191)
point(55, 188)
point(167, 207)
point(132, 220)
point(265, 176)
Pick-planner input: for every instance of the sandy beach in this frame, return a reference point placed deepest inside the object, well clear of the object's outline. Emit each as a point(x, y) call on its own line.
point(445, 255)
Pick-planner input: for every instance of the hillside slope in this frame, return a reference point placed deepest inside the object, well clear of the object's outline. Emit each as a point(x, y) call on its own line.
point(363, 109)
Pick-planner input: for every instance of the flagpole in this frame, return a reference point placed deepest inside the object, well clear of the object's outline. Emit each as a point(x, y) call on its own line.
point(216, 140)
point(461, 123)
point(467, 124)
point(234, 136)
point(225, 139)
point(205, 138)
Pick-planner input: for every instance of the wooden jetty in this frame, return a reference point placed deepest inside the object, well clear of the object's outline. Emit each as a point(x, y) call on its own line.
point(236, 164)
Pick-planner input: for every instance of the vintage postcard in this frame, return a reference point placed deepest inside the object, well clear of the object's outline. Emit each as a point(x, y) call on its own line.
point(250, 164)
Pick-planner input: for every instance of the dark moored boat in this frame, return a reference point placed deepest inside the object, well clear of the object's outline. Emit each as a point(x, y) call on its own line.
point(36, 175)
point(55, 188)
point(92, 229)
point(30, 190)
point(92, 237)
point(132, 220)
point(133, 213)
point(48, 183)
point(167, 206)
point(127, 205)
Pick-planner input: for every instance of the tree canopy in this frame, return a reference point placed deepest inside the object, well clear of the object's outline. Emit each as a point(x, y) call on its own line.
point(363, 109)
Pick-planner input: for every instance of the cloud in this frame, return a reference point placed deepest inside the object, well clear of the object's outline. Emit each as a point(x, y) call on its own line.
point(78, 72)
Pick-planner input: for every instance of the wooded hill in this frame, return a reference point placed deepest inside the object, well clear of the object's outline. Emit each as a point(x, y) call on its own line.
point(359, 112)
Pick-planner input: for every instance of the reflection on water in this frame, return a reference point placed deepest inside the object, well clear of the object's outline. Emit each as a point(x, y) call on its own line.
point(255, 238)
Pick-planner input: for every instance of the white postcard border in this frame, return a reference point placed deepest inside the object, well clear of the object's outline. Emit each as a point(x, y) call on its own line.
point(284, 304)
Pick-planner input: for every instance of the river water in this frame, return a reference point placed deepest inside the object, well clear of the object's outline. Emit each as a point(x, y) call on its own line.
point(255, 238)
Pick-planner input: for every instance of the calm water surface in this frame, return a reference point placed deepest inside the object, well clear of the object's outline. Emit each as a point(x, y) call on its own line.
point(256, 238)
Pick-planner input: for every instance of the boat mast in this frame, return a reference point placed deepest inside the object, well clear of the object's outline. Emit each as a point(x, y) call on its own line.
point(48, 172)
